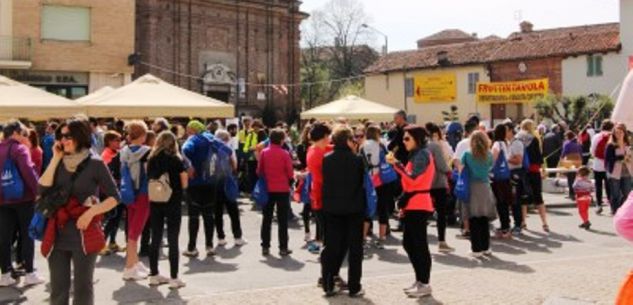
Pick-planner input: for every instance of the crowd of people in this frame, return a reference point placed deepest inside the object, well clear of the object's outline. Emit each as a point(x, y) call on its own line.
point(86, 178)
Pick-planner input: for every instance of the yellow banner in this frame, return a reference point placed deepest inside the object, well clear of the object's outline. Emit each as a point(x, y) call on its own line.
point(512, 92)
point(435, 88)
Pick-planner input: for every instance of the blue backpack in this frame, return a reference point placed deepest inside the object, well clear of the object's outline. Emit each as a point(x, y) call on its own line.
point(12, 183)
point(305, 190)
point(370, 196)
point(219, 160)
point(387, 173)
point(37, 226)
point(128, 195)
point(260, 192)
point(462, 186)
point(501, 169)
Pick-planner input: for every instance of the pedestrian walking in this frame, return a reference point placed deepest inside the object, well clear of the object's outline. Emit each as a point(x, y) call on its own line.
point(583, 188)
point(320, 137)
point(598, 151)
point(481, 205)
point(416, 205)
point(133, 169)
point(166, 173)
point(16, 208)
point(619, 164)
point(275, 167)
point(73, 235)
point(344, 206)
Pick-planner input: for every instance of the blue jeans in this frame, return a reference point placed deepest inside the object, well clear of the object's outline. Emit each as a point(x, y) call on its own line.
point(620, 189)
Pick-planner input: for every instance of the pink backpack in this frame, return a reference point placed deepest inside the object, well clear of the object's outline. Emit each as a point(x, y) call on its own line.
point(623, 220)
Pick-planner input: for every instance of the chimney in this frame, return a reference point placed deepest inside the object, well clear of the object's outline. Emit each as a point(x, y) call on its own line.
point(442, 58)
point(526, 27)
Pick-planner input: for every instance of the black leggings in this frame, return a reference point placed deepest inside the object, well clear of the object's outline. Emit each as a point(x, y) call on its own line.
point(11, 216)
point(416, 245)
point(200, 204)
point(503, 194)
point(385, 202)
point(440, 204)
point(306, 215)
point(231, 209)
point(601, 183)
point(159, 212)
point(479, 234)
point(113, 219)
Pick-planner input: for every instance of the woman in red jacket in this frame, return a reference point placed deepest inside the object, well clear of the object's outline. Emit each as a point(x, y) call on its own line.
point(417, 206)
point(320, 137)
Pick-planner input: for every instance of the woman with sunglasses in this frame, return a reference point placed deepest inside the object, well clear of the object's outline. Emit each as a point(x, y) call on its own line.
point(619, 164)
point(73, 235)
point(417, 205)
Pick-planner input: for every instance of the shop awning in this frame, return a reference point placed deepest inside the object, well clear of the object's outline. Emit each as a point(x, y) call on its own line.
point(351, 107)
point(95, 95)
point(622, 112)
point(149, 96)
point(18, 100)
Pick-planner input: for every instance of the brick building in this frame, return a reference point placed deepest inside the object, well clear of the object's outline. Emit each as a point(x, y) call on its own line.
point(229, 47)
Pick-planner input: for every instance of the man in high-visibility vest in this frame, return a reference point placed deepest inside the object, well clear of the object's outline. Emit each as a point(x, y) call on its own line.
point(252, 138)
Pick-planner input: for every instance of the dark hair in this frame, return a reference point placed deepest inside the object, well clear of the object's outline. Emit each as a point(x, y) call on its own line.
point(341, 135)
point(109, 137)
point(432, 129)
point(470, 126)
point(12, 127)
point(418, 133)
point(231, 126)
point(305, 135)
point(570, 135)
point(277, 136)
point(319, 131)
point(500, 132)
point(583, 171)
point(162, 123)
point(279, 124)
point(607, 125)
point(79, 130)
point(53, 126)
point(402, 114)
point(373, 132)
point(93, 121)
point(257, 123)
point(34, 138)
point(510, 126)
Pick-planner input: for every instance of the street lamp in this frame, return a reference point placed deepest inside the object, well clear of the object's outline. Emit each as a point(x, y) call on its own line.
point(385, 49)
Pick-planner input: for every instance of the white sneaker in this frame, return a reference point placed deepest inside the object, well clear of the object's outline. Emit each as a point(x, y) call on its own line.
point(6, 280)
point(477, 254)
point(411, 288)
point(240, 242)
point(157, 280)
point(32, 278)
point(192, 253)
point(307, 238)
point(133, 274)
point(488, 253)
point(210, 251)
point(141, 267)
point(222, 242)
point(176, 284)
point(421, 291)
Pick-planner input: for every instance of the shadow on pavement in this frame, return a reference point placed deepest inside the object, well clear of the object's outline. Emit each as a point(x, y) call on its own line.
point(112, 261)
point(604, 233)
point(391, 255)
point(286, 263)
point(228, 253)
point(208, 265)
point(133, 292)
point(430, 300)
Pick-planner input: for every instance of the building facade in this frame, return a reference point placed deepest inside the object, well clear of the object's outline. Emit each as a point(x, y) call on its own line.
point(240, 52)
point(68, 47)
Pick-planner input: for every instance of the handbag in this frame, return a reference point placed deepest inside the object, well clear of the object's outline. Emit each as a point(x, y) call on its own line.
point(57, 195)
point(462, 186)
point(260, 192)
point(159, 190)
point(37, 226)
point(387, 173)
point(231, 188)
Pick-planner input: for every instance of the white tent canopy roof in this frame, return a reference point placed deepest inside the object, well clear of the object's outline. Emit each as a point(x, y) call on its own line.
point(149, 96)
point(622, 112)
point(18, 100)
point(351, 107)
point(95, 95)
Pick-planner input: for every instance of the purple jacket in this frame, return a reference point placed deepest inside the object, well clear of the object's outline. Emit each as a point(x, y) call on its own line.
point(275, 164)
point(571, 147)
point(22, 159)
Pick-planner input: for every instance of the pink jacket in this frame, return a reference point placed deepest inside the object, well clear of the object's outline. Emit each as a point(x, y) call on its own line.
point(623, 220)
point(275, 165)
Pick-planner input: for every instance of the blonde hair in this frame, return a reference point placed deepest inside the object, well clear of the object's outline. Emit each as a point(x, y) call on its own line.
point(165, 142)
point(479, 144)
point(136, 129)
point(528, 126)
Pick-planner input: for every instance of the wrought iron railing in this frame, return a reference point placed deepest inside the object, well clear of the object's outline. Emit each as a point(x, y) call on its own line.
point(15, 48)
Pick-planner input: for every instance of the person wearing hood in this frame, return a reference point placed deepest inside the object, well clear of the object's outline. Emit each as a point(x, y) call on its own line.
point(534, 153)
point(197, 149)
point(134, 156)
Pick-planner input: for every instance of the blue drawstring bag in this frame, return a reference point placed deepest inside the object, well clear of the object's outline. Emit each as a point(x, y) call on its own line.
point(370, 196)
point(37, 226)
point(305, 190)
point(260, 193)
point(12, 183)
point(462, 186)
point(128, 195)
point(231, 188)
point(501, 170)
point(387, 173)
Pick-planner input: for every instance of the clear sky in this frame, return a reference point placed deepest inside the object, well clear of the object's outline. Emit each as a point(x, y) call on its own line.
point(406, 21)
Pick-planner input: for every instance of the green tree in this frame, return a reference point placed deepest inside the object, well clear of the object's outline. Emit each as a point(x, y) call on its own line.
point(452, 115)
point(575, 111)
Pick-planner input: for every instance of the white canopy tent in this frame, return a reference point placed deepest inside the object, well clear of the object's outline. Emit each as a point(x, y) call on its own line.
point(353, 108)
point(622, 112)
point(149, 96)
point(18, 100)
point(95, 95)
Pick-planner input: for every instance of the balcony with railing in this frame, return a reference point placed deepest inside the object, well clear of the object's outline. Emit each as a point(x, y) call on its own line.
point(15, 52)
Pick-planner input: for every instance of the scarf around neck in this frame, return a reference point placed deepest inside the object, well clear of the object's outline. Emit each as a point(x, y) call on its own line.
point(72, 161)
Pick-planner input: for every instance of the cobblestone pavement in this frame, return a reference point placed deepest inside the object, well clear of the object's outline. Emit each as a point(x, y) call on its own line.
point(568, 266)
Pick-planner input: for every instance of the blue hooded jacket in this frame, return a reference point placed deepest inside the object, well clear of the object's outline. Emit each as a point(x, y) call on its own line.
point(197, 149)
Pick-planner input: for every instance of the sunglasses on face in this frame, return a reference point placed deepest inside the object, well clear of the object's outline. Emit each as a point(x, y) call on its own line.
point(65, 136)
point(359, 136)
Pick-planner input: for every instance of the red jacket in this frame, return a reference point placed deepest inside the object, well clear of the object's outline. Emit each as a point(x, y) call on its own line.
point(423, 201)
point(92, 239)
point(315, 167)
point(275, 165)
